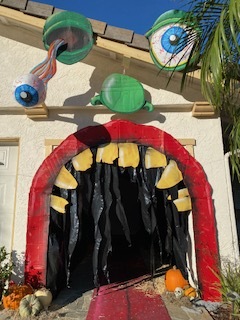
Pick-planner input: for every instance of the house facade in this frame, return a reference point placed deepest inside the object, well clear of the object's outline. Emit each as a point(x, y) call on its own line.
point(30, 136)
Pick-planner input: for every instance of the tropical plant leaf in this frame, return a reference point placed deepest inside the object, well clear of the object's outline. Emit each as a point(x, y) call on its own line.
point(218, 45)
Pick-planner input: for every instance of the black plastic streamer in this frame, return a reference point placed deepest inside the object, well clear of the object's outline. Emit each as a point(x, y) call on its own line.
point(147, 181)
point(56, 276)
point(107, 230)
point(180, 243)
point(97, 209)
point(98, 197)
point(120, 212)
point(169, 222)
point(75, 225)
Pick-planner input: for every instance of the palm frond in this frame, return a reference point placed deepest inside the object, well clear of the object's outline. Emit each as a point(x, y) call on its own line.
point(218, 45)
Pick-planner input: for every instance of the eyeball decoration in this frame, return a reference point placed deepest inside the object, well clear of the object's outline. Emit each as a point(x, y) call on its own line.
point(29, 90)
point(171, 41)
point(68, 37)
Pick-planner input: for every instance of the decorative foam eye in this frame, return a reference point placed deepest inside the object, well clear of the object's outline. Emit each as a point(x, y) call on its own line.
point(29, 90)
point(171, 42)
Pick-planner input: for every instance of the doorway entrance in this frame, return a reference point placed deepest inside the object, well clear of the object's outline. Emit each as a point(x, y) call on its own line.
point(120, 215)
point(194, 178)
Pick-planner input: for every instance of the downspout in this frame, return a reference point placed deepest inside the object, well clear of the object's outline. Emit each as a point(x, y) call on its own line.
point(231, 209)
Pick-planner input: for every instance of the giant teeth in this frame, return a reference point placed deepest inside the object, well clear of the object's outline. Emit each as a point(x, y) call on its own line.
point(170, 176)
point(58, 203)
point(107, 153)
point(154, 159)
point(83, 160)
point(183, 204)
point(128, 155)
point(65, 180)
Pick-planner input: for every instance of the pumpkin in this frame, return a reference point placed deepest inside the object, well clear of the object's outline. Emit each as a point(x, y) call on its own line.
point(15, 294)
point(29, 306)
point(174, 279)
point(44, 296)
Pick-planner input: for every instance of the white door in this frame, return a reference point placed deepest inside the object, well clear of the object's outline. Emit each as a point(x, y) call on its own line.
point(8, 171)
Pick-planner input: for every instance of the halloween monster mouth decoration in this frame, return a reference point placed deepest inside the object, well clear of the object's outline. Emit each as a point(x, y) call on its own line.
point(126, 179)
point(126, 189)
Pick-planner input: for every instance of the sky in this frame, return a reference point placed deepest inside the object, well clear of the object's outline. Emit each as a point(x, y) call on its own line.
point(136, 15)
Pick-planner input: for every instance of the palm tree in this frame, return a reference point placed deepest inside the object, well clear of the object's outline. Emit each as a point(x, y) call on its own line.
point(218, 45)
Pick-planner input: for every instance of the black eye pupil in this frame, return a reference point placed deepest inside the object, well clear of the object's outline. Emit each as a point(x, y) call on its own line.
point(26, 96)
point(174, 39)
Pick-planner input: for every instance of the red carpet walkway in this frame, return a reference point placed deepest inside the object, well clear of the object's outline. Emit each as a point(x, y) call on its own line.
point(124, 302)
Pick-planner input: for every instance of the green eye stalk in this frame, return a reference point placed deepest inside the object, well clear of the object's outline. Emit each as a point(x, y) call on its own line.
point(75, 30)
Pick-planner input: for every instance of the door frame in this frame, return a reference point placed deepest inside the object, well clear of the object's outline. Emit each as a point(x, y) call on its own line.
point(9, 142)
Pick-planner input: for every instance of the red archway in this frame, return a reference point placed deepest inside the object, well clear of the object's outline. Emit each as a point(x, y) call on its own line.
point(206, 247)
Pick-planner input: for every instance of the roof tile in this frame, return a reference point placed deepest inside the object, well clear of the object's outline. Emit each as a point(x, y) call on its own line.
point(56, 10)
point(100, 28)
point(39, 9)
point(16, 4)
point(118, 34)
point(140, 42)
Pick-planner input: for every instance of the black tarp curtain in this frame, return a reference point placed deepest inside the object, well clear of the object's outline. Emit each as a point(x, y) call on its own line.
point(91, 205)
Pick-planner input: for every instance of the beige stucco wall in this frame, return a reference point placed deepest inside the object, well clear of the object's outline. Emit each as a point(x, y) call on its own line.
point(74, 86)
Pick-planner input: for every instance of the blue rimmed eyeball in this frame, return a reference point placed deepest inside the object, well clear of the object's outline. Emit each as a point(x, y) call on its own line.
point(29, 90)
point(172, 39)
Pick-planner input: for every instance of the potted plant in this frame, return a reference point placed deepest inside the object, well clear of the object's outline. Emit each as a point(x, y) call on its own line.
point(6, 268)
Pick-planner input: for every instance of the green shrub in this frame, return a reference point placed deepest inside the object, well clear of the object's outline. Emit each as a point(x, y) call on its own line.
point(230, 286)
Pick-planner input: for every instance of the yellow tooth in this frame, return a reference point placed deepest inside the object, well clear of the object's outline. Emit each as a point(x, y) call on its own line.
point(181, 193)
point(107, 154)
point(183, 204)
point(83, 160)
point(58, 203)
point(128, 155)
point(154, 159)
point(65, 180)
point(170, 176)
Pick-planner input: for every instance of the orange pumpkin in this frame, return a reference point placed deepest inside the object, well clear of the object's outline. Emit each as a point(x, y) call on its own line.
point(15, 295)
point(174, 279)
